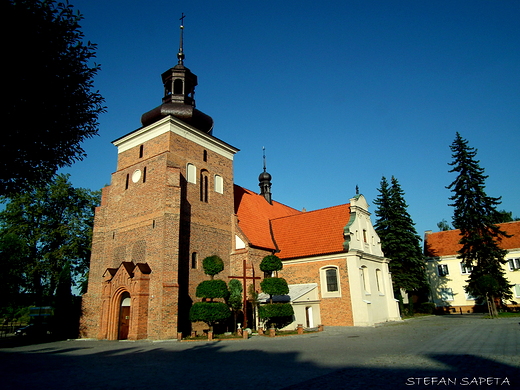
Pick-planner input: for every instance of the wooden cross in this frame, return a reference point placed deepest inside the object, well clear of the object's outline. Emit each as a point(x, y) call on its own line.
point(245, 278)
point(182, 19)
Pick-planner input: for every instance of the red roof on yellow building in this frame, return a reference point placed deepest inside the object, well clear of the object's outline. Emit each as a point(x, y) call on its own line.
point(447, 243)
point(293, 233)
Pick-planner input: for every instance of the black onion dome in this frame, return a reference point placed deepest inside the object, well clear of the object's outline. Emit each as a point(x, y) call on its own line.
point(184, 112)
point(264, 176)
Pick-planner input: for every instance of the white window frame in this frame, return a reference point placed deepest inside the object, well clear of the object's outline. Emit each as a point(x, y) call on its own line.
point(443, 270)
point(325, 293)
point(516, 289)
point(219, 184)
point(514, 264)
point(191, 173)
point(464, 269)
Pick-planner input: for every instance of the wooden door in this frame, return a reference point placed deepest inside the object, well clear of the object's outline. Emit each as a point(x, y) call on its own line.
point(124, 322)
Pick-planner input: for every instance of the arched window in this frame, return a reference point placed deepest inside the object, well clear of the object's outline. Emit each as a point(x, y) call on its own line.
point(330, 286)
point(219, 184)
point(204, 182)
point(191, 173)
point(194, 258)
point(364, 278)
point(177, 87)
point(379, 281)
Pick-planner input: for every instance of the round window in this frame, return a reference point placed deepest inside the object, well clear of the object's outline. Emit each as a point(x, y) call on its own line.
point(136, 175)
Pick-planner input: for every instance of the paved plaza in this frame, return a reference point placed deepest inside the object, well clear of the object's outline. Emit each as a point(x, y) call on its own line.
point(454, 351)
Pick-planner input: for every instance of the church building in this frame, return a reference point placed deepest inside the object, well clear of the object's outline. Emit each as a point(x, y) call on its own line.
point(172, 202)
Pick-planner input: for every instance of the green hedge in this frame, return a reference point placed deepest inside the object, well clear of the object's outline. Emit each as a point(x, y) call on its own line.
point(212, 289)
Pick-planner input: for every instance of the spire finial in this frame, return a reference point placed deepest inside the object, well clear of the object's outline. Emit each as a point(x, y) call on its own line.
point(263, 152)
point(357, 190)
point(180, 54)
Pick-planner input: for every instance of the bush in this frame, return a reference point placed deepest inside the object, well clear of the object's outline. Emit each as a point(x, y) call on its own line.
point(426, 307)
point(209, 312)
point(212, 289)
point(274, 286)
point(276, 314)
point(271, 263)
point(212, 265)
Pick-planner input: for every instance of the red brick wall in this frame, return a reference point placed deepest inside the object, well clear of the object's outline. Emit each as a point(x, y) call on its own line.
point(334, 311)
point(160, 220)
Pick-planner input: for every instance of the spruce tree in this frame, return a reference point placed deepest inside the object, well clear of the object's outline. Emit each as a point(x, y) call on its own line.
point(399, 240)
point(475, 214)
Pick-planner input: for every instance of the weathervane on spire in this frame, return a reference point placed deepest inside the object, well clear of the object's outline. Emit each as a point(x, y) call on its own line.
point(180, 54)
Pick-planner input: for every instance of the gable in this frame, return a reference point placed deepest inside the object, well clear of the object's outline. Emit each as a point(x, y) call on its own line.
point(254, 214)
point(447, 243)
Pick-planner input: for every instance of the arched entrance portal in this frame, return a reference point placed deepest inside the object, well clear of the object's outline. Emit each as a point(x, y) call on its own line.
point(124, 316)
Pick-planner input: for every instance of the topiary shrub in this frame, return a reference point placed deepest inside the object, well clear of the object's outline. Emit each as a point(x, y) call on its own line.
point(212, 265)
point(271, 263)
point(274, 286)
point(276, 314)
point(209, 312)
point(211, 289)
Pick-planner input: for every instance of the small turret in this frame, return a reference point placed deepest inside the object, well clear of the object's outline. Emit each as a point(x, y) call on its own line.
point(265, 183)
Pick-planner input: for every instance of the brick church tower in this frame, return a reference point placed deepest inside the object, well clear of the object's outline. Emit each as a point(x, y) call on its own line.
point(169, 205)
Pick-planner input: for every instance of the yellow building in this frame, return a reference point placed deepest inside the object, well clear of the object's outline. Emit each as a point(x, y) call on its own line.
point(448, 275)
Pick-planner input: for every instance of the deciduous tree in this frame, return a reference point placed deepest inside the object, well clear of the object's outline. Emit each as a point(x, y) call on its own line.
point(49, 106)
point(52, 227)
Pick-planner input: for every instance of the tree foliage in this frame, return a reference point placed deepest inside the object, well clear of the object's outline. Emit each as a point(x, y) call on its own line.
point(212, 289)
point(235, 300)
point(399, 239)
point(50, 227)
point(271, 263)
point(274, 286)
point(276, 314)
point(209, 312)
point(212, 265)
point(50, 80)
point(475, 214)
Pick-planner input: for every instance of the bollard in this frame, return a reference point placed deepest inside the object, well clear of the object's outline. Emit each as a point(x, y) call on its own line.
point(210, 335)
point(179, 336)
point(320, 328)
point(261, 331)
point(300, 328)
point(193, 333)
point(272, 332)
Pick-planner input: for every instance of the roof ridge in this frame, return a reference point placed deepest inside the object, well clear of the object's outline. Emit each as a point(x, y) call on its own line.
point(274, 201)
point(312, 211)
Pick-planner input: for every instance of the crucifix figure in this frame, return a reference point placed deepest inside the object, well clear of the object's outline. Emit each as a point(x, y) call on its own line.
point(244, 279)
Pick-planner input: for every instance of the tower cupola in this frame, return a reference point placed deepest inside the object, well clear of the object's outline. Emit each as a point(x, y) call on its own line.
point(179, 95)
point(265, 183)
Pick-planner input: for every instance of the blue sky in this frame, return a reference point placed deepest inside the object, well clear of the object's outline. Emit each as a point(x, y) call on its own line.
point(340, 93)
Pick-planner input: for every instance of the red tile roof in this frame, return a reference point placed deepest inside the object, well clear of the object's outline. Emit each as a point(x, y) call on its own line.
point(311, 233)
point(447, 243)
point(295, 233)
point(254, 214)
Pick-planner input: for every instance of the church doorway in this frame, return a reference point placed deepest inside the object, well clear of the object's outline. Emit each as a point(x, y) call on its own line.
point(124, 316)
point(309, 321)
